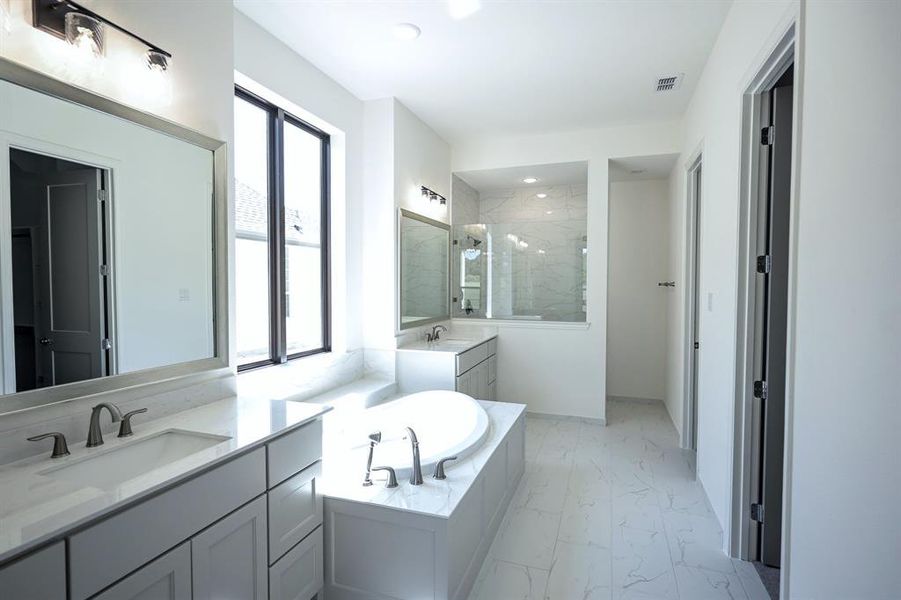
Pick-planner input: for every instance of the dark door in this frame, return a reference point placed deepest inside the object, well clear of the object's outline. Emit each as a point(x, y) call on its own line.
point(71, 319)
point(773, 263)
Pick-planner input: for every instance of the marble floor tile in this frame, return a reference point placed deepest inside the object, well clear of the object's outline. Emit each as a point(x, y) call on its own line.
point(509, 581)
point(611, 512)
point(527, 537)
point(580, 571)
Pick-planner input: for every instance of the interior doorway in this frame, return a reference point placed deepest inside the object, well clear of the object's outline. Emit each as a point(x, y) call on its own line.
point(764, 318)
point(61, 295)
point(693, 304)
point(771, 320)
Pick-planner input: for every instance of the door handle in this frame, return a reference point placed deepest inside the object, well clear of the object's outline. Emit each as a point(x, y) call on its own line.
point(46, 341)
point(666, 284)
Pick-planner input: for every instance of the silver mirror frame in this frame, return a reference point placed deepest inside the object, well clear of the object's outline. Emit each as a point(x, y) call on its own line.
point(216, 366)
point(403, 212)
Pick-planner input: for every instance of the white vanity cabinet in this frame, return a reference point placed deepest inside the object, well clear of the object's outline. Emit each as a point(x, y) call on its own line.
point(469, 370)
point(222, 534)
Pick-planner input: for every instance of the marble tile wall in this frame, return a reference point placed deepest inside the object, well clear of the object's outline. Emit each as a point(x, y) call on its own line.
point(537, 248)
point(465, 202)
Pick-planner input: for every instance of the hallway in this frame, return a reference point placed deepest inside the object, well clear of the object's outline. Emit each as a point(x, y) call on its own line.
point(610, 512)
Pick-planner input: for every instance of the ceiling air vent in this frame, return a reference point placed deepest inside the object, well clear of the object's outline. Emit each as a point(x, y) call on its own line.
point(669, 83)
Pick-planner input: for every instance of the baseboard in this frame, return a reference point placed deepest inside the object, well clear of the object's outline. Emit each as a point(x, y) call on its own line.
point(635, 400)
point(588, 420)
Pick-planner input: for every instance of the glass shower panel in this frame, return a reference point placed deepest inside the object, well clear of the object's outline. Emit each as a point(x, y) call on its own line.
point(532, 271)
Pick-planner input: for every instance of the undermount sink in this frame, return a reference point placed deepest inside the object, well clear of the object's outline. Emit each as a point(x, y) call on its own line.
point(132, 459)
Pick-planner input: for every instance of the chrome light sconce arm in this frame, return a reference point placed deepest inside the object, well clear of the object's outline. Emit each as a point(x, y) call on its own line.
point(86, 27)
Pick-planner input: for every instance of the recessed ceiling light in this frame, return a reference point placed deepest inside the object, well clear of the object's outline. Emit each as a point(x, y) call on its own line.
point(549, 212)
point(542, 196)
point(530, 180)
point(406, 31)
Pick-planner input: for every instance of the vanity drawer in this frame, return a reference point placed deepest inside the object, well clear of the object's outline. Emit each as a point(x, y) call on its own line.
point(492, 346)
point(471, 358)
point(492, 369)
point(298, 575)
point(295, 509)
point(294, 452)
point(39, 575)
point(104, 552)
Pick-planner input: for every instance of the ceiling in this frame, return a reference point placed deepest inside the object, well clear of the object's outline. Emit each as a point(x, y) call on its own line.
point(642, 168)
point(512, 177)
point(511, 67)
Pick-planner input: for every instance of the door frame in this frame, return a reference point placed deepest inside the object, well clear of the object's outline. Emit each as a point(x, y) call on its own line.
point(106, 166)
point(691, 296)
point(783, 50)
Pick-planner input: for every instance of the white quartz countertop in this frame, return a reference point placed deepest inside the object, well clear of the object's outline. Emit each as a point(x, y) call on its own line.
point(36, 508)
point(342, 476)
point(451, 343)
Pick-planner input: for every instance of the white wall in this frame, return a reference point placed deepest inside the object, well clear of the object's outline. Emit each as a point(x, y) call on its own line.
point(560, 369)
point(713, 125)
point(636, 306)
point(845, 479)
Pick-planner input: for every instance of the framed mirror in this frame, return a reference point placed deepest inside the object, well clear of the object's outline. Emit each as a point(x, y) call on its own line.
point(424, 252)
point(111, 256)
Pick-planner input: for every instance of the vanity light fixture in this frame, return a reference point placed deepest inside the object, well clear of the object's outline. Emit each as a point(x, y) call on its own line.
point(541, 196)
point(84, 29)
point(530, 180)
point(433, 196)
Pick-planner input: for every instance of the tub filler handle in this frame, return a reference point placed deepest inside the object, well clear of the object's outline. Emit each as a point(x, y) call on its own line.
point(392, 478)
point(439, 468)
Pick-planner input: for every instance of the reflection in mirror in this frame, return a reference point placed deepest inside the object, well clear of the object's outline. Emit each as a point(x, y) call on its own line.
point(424, 252)
point(107, 266)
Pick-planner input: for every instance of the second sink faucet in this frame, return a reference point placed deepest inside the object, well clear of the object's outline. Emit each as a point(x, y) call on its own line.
point(416, 474)
point(436, 333)
point(95, 436)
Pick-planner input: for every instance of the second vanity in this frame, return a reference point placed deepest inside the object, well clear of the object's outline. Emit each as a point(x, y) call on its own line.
point(465, 365)
point(219, 501)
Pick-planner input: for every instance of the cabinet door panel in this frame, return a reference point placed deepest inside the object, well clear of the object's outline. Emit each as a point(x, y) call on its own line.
point(229, 558)
point(298, 575)
point(295, 509)
point(492, 391)
point(166, 578)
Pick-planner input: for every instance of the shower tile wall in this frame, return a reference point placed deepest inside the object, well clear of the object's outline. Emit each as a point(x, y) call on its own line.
point(465, 203)
point(537, 251)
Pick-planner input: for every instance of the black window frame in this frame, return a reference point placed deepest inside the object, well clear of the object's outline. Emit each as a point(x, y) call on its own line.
point(277, 117)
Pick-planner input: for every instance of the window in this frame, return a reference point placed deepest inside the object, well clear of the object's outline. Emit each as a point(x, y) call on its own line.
point(281, 234)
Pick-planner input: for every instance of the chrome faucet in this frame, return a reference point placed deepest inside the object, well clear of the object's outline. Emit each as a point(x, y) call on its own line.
point(436, 333)
point(95, 437)
point(416, 475)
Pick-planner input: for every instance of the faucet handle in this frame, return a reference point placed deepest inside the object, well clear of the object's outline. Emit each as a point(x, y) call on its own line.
point(392, 477)
point(439, 467)
point(60, 447)
point(125, 423)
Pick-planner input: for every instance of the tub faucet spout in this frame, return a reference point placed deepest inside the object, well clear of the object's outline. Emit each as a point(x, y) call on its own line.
point(416, 475)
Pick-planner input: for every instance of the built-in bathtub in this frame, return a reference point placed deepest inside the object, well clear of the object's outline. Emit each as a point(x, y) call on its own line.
point(446, 424)
point(424, 541)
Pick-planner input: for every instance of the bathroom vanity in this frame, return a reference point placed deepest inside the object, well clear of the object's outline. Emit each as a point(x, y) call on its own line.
point(214, 502)
point(468, 366)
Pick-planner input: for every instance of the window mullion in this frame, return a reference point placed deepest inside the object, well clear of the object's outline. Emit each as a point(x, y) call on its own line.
point(276, 236)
